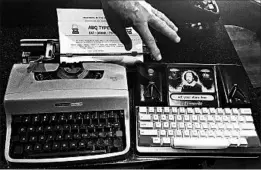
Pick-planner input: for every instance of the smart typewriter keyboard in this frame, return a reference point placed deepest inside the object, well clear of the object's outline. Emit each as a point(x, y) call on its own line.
point(194, 128)
point(67, 134)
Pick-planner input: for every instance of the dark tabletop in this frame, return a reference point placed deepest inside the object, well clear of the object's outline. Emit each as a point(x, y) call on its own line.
point(37, 19)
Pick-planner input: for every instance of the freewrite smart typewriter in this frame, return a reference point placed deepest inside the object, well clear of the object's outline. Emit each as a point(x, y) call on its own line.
point(64, 112)
point(194, 110)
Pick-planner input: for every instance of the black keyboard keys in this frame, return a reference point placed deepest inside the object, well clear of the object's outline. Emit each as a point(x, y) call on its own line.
point(45, 119)
point(47, 147)
point(56, 146)
point(64, 134)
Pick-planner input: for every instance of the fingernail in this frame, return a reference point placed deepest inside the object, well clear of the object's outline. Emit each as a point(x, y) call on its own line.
point(158, 58)
point(178, 39)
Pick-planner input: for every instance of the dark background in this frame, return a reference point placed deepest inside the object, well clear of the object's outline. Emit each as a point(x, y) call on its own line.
point(37, 19)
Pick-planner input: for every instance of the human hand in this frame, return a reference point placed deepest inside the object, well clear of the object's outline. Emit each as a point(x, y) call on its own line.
point(138, 14)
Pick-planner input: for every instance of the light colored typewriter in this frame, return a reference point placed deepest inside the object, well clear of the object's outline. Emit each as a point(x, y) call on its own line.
point(65, 112)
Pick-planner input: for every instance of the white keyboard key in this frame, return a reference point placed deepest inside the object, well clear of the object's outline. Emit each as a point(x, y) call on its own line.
point(155, 117)
point(166, 110)
point(221, 126)
point(202, 118)
point(218, 118)
point(228, 111)
point(179, 118)
point(182, 110)
point(158, 125)
point(219, 133)
point(145, 116)
point(233, 142)
point(178, 133)
point(233, 118)
point(194, 133)
point(196, 125)
point(241, 119)
point(249, 118)
point(146, 124)
point(235, 111)
point(220, 111)
point(247, 133)
point(173, 125)
point(159, 109)
point(143, 109)
point(198, 110)
point(212, 110)
point(174, 110)
point(245, 111)
point(189, 125)
point(165, 140)
point(163, 117)
point(205, 110)
point(235, 133)
point(190, 110)
point(199, 143)
point(229, 126)
point(236, 126)
point(225, 118)
point(227, 133)
point(247, 126)
point(186, 118)
point(170, 132)
point(210, 133)
point(202, 133)
point(210, 118)
point(163, 133)
point(151, 110)
point(165, 125)
point(242, 142)
point(181, 125)
point(156, 140)
point(186, 133)
point(148, 132)
point(213, 126)
point(171, 117)
point(204, 125)
point(194, 118)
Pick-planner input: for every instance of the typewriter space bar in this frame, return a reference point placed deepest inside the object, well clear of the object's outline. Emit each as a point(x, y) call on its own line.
point(57, 154)
point(199, 143)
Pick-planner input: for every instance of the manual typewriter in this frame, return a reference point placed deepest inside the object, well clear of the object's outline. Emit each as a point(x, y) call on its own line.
point(64, 112)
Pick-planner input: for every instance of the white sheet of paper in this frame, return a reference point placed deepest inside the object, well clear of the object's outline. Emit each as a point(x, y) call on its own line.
point(86, 31)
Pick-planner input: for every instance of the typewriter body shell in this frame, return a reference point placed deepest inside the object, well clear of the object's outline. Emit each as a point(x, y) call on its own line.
point(25, 95)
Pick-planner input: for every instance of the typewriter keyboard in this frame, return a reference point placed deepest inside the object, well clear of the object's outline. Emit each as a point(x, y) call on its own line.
point(67, 134)
point(194, 128)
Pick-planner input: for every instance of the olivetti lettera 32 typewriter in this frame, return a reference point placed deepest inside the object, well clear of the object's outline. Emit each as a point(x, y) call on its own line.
point(61, 113)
